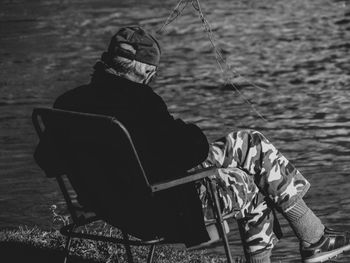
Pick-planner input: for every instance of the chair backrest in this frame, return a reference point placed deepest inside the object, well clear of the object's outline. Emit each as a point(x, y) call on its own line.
point(98, 156)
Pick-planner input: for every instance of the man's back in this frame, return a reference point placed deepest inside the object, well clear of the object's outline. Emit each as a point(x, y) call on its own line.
point(161, 141)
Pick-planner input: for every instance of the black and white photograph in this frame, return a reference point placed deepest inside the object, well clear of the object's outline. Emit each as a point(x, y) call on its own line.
point(166, 131)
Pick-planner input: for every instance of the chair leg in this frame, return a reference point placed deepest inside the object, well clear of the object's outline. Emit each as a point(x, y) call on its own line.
point(151, 253)
point(68, 244)
point(127, 247)
point(221, 226)
point(241, 233)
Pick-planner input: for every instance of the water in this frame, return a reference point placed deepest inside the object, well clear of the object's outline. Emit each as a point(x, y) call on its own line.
point(296, 50)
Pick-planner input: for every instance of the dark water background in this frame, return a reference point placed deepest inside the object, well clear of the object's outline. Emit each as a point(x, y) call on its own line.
point(296, 50)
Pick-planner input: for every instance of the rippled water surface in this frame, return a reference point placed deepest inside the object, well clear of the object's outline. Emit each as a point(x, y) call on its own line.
point(296, 51)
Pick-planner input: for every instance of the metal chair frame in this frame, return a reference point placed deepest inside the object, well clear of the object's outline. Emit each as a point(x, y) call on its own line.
point(69, 230)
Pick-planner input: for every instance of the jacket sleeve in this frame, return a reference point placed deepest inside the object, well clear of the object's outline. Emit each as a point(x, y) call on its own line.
point(188, 143)
point(181, 144)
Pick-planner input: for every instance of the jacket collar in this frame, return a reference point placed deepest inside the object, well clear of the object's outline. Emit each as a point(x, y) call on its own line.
point(105, 76)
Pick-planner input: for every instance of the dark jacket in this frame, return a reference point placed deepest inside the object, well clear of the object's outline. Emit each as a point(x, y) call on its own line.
point(167, 147)
point(161, 141)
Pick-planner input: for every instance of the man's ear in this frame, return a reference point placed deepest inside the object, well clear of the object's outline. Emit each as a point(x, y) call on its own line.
point(149, 77)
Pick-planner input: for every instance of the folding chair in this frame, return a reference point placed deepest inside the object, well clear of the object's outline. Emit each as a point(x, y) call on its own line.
point(59, 127)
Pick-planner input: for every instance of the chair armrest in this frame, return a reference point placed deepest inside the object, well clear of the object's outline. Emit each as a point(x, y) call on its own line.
point(191, 177)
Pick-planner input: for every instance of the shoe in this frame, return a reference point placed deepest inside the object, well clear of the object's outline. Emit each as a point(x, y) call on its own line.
point(329, 246)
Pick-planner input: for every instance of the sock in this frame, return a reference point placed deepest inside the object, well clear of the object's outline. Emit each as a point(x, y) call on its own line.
point(262, 257)
point(306, 225)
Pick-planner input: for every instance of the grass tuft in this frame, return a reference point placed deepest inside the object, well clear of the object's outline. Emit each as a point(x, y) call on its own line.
point(103, 251)
point(93, 251)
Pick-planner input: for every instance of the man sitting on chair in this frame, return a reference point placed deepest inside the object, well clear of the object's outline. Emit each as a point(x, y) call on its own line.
point(254, 177)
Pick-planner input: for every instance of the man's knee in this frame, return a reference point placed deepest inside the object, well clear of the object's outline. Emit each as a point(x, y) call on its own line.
point(252, 135)
point(238, 187)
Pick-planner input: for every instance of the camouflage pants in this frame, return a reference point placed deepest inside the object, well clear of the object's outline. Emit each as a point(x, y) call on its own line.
point(253, 178)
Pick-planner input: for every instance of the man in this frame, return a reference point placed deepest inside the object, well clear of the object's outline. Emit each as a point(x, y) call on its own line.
point(254, 177)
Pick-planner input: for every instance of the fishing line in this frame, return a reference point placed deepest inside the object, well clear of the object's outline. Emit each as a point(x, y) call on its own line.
point(177, 11)
point(228, 72)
